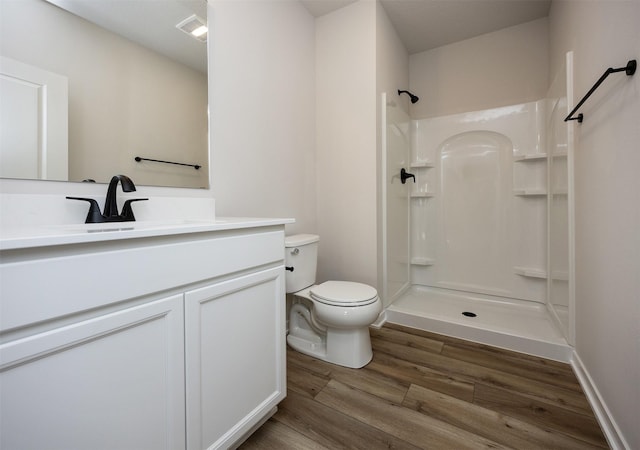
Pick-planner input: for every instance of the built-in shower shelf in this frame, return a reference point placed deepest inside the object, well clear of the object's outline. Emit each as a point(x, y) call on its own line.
point(531, 272)
point(418, 164)
point(422, 261)
point(422, 194)
point(530, 192)
point(530, 157)
point(559, 154)
point(560, 275)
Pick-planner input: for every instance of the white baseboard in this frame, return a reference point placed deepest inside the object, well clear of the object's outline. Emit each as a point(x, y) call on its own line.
point(609, 427)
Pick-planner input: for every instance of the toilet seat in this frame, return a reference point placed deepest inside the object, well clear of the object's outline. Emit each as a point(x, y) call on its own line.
point(343, 293)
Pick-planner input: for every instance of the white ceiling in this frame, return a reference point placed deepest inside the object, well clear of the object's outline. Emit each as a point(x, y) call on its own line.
point(319, 8)
point(150, 23)
point(420, 24)
point(426, 24)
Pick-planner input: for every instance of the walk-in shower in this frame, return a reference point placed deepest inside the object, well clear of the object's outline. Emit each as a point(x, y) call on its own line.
point(479, 246)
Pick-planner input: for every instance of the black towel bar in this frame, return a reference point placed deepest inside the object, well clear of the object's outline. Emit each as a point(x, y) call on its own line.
point(629, 69)
point(195, 166)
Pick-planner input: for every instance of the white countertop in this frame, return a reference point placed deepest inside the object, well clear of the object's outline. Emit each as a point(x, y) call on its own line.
point(43, 236)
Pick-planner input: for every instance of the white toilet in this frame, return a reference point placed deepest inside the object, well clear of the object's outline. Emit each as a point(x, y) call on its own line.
point(329, 321)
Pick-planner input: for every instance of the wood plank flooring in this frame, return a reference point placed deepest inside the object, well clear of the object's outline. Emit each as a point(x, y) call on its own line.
point(427, 391)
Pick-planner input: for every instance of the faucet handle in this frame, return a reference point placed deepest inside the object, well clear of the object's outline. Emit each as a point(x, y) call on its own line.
point(127, 211)
point(94, 215)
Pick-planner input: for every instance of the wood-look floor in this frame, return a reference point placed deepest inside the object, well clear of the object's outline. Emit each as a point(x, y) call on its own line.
point(424, 390)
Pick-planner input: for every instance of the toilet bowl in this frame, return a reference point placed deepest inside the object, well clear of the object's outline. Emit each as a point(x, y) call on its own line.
point(329, 321)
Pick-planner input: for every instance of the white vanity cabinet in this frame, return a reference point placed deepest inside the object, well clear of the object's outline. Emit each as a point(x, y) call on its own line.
point(157, 342)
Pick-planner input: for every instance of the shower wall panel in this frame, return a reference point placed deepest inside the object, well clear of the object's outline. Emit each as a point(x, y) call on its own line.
point(560, 148)
point(396, 150)
point(478, 207)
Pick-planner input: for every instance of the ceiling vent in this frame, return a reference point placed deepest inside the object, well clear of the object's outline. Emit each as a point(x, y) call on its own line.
point(195, 27)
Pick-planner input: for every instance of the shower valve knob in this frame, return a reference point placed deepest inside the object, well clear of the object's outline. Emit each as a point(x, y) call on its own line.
point(404, 175)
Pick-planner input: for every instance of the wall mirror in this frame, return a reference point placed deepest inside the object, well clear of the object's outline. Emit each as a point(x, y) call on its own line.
point(87, 86)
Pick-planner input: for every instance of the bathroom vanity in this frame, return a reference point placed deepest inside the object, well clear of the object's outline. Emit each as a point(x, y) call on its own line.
point(141, 335)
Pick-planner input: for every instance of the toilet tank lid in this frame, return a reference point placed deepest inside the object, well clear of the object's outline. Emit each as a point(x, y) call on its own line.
point(300, 239)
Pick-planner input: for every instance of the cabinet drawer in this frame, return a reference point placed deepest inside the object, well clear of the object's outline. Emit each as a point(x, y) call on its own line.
point(53, 283)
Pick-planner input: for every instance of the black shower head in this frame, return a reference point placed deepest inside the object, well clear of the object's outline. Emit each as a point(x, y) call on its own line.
point(414, 98)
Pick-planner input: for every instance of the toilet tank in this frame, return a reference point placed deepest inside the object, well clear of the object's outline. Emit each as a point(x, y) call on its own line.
point(301, 253)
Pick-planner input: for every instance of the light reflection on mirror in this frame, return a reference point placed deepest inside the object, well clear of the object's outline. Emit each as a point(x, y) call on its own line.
point(124, 99)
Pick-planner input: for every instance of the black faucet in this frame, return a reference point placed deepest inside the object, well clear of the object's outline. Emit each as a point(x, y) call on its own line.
point(110, 205)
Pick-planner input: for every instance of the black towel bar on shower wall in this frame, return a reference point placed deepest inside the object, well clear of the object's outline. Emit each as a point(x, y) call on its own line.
point(629, 69)
point(195, 166)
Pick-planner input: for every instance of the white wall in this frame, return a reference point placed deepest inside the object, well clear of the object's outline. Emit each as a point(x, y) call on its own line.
point(392, 60)
point(124, 100)
point(294, 121)
point(502, 68)
point(607, 212)
point(346, 143)
point(263, 110)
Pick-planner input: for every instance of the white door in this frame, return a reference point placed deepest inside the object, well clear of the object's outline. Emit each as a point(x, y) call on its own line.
point(235, 356)
point(396, 151)
point(33, 122)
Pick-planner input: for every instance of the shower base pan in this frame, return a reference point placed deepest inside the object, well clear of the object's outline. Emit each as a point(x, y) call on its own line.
point(511, 324)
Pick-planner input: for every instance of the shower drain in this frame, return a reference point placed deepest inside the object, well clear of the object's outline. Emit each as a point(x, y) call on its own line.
point(469, 314)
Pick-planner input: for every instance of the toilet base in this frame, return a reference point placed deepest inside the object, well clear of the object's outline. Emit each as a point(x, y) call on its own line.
point(308, 347)
point(348, 348)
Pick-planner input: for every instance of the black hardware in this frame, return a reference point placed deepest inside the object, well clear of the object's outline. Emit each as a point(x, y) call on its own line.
point(629, 69)
point(404, 175)
point(94, 215)
point(290, 269)
point(414, 98)
point(110, 204)
point(127, 211)
point(195, 166)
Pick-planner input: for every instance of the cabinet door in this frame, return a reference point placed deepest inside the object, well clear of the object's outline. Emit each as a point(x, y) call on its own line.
point(112, 382)
point(235, 356)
